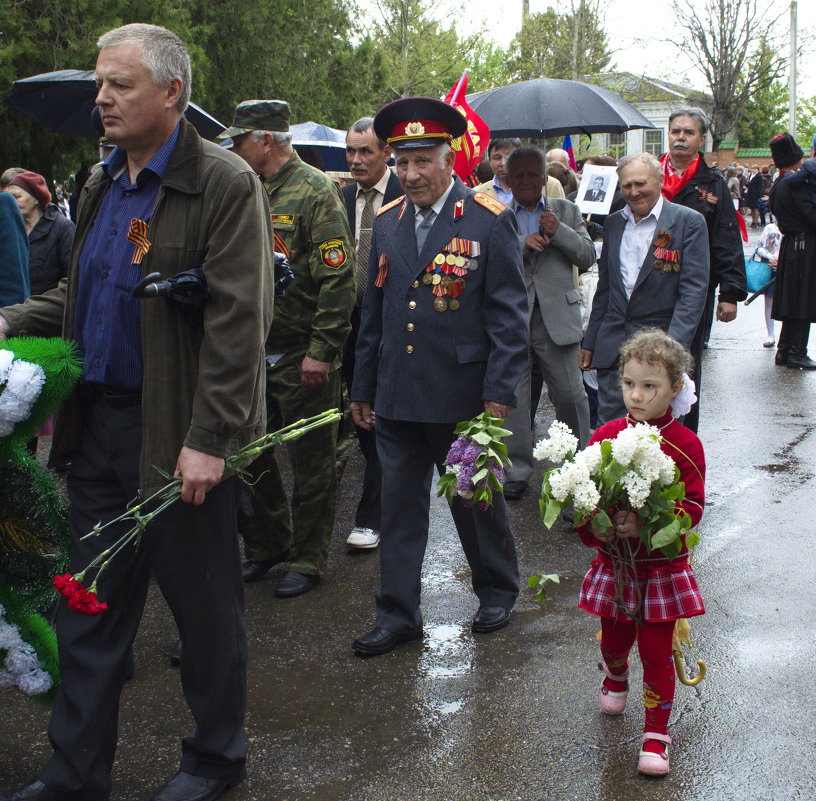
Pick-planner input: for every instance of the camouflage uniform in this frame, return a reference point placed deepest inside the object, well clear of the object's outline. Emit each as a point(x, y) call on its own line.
point(311, 227)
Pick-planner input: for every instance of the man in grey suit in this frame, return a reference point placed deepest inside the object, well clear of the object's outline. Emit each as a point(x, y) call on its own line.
point(552, 237)
point(443, 338)
point(653, 272)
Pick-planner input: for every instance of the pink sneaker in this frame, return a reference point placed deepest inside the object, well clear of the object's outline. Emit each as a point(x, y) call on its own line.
point(651, 764)
point(610, 702)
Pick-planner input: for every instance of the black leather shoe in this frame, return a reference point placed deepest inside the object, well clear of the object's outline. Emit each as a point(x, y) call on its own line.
point(514, 490)
point(801, 362)
point(177, 653)
point(381, 641)
point(186, 787)
point(36, 791)
point(490, 618)
point(781, 357)
point(294, 583)
point(252, 571)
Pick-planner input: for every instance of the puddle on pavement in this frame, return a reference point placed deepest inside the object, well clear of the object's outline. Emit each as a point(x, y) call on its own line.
point(447, 652)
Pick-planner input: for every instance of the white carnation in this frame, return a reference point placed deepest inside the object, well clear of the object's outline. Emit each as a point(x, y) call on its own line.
point(25, 380)
point(35, 682)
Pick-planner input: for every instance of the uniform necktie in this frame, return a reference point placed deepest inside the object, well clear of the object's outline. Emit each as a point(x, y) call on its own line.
point(428, 216)
point(364, 242)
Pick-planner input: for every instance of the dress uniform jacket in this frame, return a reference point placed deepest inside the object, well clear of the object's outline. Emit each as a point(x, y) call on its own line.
point(429, 366)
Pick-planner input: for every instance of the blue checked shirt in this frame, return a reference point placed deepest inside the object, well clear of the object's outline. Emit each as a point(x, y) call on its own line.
point(108, 318)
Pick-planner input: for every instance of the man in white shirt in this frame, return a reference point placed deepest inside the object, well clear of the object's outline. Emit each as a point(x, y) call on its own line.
point(497, 152)
point(653, 271)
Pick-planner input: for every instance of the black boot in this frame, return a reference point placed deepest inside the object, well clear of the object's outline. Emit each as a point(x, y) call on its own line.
point(784, 343)
point(798, 356)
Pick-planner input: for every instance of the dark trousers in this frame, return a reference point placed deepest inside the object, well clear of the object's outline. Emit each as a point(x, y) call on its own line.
point(408, 452)
point(304, 537)
point(368, 509)
point(697, 348)
point(193, 553)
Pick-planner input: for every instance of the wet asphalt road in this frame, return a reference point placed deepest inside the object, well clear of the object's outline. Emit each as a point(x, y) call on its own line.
point(512, 716)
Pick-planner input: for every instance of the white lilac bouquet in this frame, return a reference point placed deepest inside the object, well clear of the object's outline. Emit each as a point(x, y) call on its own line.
point(475, 462)
point(629, 472)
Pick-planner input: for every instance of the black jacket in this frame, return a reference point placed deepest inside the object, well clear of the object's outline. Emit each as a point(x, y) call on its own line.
point(50, 242)
point(708, 194)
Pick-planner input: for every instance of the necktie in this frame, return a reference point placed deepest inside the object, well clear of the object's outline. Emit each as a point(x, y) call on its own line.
point(428, 216)
point(364, 242)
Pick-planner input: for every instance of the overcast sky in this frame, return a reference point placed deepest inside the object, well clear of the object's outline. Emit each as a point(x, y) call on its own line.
point(635, 29)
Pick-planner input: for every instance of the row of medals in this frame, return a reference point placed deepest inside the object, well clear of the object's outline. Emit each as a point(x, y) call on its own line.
point(667, 267)
point(438, 277)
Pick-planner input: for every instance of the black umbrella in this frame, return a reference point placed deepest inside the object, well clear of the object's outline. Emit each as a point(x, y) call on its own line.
point(63, 101)
point(546, 107)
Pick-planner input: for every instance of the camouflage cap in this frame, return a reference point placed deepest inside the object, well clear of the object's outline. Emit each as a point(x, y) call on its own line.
point(259, 115)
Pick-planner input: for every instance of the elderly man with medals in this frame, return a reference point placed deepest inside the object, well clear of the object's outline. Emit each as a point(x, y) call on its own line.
point(443, 338)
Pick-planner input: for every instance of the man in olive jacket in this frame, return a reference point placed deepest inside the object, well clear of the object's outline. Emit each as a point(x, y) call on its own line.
point(157, 392)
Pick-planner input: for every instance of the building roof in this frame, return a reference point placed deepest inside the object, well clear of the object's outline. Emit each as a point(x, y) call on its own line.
point(642, 89)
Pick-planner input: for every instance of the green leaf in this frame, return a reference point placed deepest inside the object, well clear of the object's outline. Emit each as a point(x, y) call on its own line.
point(497, 432)
point(551, 512)
point(477, 477)
point(666, 535)
point(481, 437)
point(601, 522)
point(692, 539)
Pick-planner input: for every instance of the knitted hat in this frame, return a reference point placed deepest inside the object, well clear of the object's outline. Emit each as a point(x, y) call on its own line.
point(35, 185)
point(785, 151)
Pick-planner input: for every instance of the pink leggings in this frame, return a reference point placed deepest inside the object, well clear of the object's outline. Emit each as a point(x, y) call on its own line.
point(655, 648)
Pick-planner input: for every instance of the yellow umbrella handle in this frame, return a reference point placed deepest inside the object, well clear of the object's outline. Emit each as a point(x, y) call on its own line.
point(680, 667)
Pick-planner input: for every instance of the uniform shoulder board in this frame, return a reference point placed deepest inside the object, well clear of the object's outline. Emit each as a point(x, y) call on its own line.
point(490, 203)
point(390, 205)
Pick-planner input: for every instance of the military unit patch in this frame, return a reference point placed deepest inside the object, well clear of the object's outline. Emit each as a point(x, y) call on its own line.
point(283, 219)
point(333, 253)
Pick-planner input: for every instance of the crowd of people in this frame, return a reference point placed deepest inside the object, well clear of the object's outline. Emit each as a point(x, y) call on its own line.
point(422, 301)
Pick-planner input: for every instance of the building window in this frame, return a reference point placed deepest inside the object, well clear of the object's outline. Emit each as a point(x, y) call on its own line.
point(653, 142)
point(617, 145)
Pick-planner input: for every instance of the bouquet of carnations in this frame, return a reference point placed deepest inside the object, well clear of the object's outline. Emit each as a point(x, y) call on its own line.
point(475, 462)
point(630, 472)
point(84, 599)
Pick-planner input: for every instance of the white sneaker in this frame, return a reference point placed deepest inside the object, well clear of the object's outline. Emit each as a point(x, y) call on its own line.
point(363, 538)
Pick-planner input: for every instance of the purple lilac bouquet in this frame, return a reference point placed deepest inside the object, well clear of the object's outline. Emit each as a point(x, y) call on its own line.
point(475, 462)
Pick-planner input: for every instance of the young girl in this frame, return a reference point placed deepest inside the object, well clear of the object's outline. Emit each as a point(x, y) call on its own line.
point(652, 368)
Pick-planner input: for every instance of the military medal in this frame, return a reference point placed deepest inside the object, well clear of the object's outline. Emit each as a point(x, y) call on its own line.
point(440, 304)
point(382, 270)
point(427, 278)
point(445, 271)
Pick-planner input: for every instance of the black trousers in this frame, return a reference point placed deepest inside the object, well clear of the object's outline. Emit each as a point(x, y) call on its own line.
point(408, 453)
point(193, 553)
point(368, 509)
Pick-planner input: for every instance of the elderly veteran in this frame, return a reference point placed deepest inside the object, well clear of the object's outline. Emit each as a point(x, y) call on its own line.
point(437, 345)
point(653, 271)
point(303, 349)
point(552, 238)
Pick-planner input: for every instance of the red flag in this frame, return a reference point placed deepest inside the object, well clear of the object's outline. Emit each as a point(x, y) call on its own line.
point(568, 147)
point(471, 146)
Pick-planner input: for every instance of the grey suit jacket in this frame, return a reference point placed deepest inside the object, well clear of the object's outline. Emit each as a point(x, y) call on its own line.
point(673, 301)
point(549, 275)
point(422, 365)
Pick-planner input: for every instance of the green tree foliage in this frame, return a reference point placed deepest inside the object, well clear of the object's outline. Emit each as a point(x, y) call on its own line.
point(568, 45)
point(763, 115)
point(421, 56)
point(303, 52)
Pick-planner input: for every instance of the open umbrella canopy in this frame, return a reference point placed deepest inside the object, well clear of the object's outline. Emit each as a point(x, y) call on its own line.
point(330, 142)
point(546, 107)
point(63, 101)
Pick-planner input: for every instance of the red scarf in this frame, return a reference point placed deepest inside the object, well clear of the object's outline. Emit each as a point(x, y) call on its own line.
point(672, 182)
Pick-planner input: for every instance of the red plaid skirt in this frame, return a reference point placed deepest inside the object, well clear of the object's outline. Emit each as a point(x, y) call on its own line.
point(668, 588)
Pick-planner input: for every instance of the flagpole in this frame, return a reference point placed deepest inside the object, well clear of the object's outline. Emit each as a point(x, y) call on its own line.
point(455, 95)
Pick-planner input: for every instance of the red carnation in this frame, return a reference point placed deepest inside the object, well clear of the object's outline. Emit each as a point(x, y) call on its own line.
point(79, 598)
